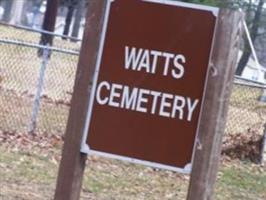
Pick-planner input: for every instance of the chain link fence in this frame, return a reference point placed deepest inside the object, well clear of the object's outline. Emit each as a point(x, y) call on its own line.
point(35, 92)
point(247, 111)
point(24, 79)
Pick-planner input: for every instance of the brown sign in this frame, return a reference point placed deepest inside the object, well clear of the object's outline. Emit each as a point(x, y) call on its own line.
point(149, 82)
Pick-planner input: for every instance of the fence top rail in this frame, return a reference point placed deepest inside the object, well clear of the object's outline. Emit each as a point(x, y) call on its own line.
point(238, 80)
point(39, 31)
point(246, 82)
point(38, 46)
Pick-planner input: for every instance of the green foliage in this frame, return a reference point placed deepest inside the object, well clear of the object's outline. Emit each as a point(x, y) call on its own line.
point(204, 2)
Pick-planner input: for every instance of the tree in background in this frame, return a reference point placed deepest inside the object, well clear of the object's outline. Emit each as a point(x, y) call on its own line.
point(205, 2)
point(49, 23)
point(78, 17)
point(7, 10)
point(75, 9)
point(35, 9)
point(71, 4)
point(13, 11)
point(16, 12)
point(254, 19)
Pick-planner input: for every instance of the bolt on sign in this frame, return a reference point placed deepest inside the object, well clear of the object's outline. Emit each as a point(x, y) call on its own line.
point(149, 82)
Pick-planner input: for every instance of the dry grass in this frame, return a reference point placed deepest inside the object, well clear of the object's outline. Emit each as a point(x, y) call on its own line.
point(16, 111)
point(20, 68)
point(31, 175)
point(34, 37)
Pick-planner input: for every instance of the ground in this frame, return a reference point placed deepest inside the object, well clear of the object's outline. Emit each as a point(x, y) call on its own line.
point(29, 165)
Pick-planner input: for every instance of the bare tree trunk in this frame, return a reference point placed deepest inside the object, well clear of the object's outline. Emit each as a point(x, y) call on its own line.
point(7, 10)
point(253, 33)
point(16, 12)
point(35, 10)
point(49, 23)
point(78, 18)
point(26, 6)
point(70, 11)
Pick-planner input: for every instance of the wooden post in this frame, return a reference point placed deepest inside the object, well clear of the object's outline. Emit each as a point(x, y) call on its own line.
point(215, 106)
point(72, 165)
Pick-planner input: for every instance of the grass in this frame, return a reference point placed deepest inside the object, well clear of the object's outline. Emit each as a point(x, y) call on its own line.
point(244, 181)
point(25, 176)
point(20, 66)
point(16, 112)
point(245, 97)
point(34, 37)
point(27, 167)
point(31, 175)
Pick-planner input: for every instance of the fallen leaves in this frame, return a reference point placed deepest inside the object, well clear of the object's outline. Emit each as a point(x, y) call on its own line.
point(44, 144)
point(243, 146)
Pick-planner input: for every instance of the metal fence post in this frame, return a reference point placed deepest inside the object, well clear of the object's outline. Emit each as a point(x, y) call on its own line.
point(40, 84)
point(263, 147)
point(263, 96)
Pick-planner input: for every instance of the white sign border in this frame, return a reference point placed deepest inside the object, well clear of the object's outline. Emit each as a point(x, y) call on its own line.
point(84, 146)
point(214, 10)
